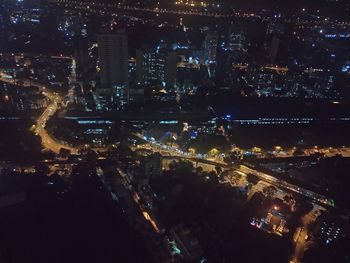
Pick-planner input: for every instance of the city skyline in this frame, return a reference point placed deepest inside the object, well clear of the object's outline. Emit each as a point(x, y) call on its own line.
point(174, 131)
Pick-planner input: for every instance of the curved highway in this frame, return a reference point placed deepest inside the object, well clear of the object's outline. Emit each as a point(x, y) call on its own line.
point(47, 140)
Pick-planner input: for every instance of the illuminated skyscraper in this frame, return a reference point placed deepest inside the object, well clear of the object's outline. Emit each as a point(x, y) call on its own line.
point(113, 61)
point(210, 46)
point(156, 66)
point(237, 40)
point(81, 55)
point(150, 66)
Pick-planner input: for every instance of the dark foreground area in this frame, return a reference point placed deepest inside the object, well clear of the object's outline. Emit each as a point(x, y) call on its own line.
point(65, 226)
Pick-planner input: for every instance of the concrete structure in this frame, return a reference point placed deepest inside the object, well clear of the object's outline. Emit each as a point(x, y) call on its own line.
point(113, 62)
point(210, 46)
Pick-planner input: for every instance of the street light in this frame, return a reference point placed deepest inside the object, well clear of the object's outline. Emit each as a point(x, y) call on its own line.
point(214, 152)
point(278, 148)
point(256, 149)
point(192, 151)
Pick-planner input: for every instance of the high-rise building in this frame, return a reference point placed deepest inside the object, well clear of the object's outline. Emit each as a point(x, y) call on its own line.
point(210, 46)
point(81, 55)
point(233, 49)
point(237, 40)
point(224, 71)
point(113, 63)
point(170, 69)
point(156, 66)
point(150, 66)
point(275, 43)
point(275, 27)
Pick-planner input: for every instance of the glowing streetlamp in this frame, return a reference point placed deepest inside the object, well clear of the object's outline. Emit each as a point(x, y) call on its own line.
point(278, 148)
point(214, 152)
point(192, 151)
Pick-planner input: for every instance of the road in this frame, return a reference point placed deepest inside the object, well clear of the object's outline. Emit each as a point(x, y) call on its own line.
point(54, 145)
point(301, 243)
point(173, 151)
point(47, 140)
point(137, 216)
point(301, 234)
point(326, 151)
point(315, 197)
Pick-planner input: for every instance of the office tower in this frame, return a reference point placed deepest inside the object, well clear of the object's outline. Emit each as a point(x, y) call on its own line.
point(275, 27)
point(224, 70)
point(81, 55)
point(150, 66)
point(170, 69)
point(210, 46)
point(113, 62)
point(237, 40)
point(156, 66)
point(275, 43)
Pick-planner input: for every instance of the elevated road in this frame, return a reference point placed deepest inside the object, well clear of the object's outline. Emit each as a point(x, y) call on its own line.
point(172, 151)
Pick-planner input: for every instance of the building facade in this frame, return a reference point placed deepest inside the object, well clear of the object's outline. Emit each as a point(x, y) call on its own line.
point(113, 64)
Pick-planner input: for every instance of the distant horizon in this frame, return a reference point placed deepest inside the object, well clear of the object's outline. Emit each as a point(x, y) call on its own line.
point(332, 8)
